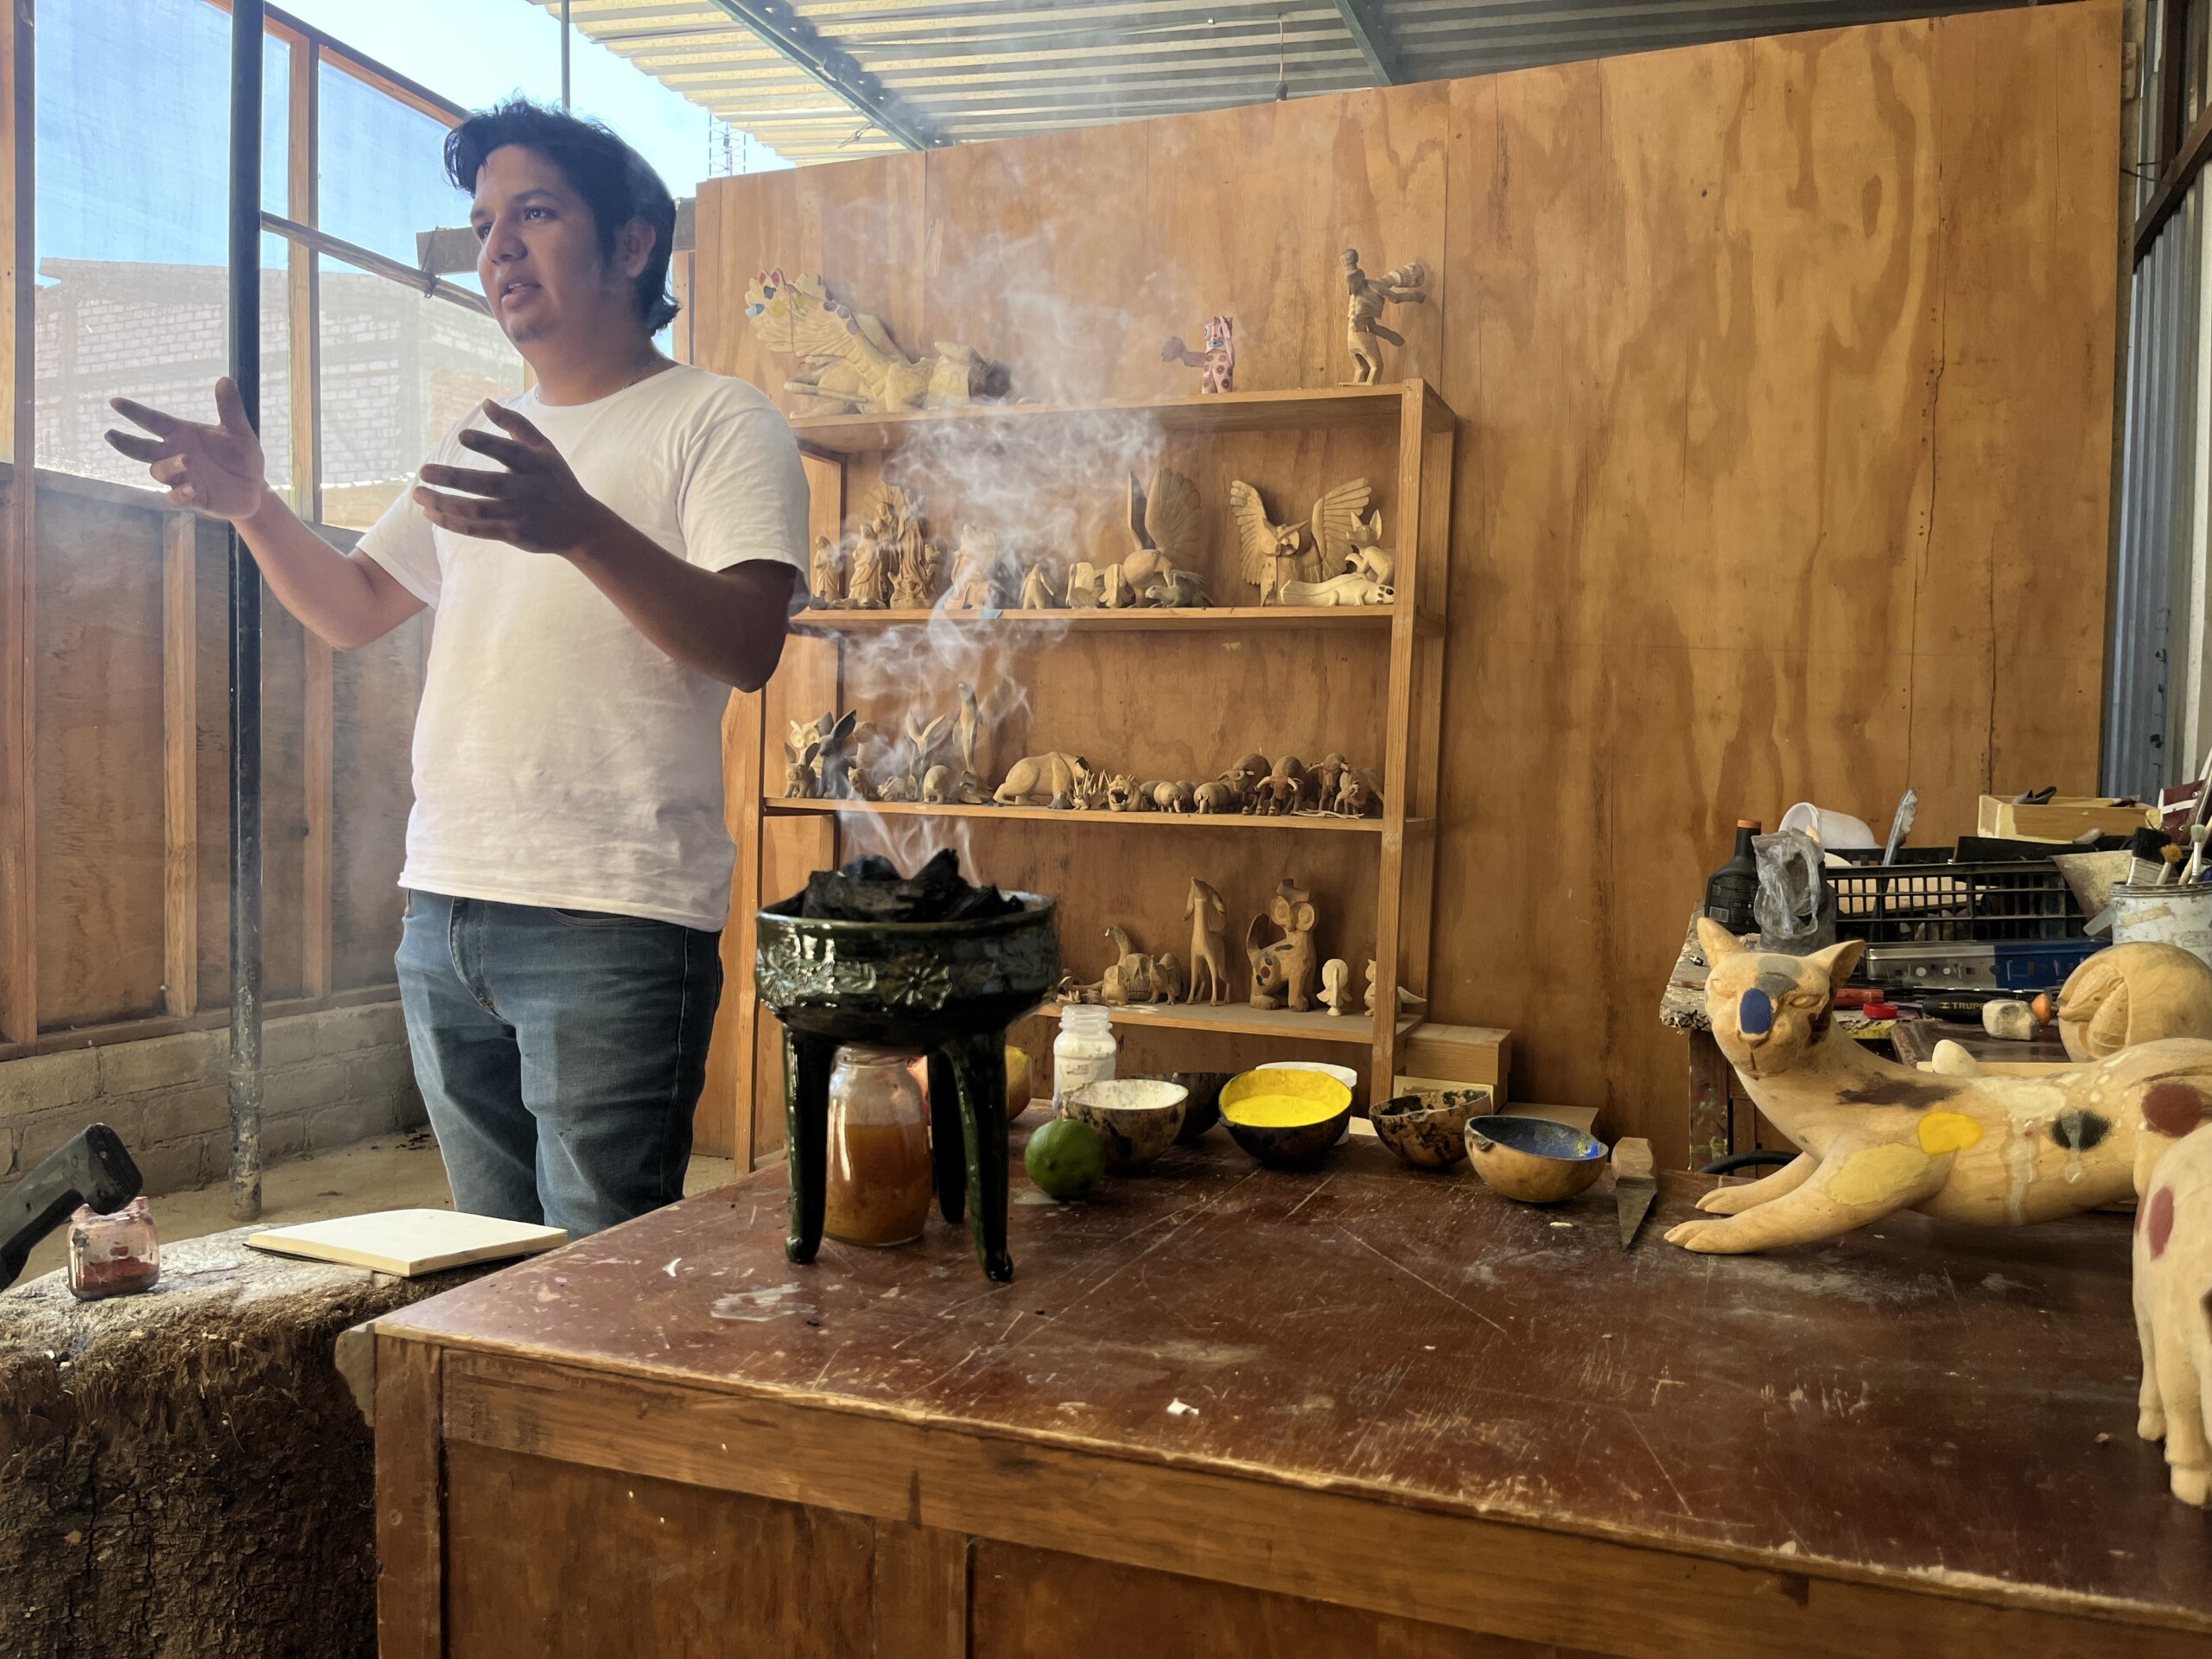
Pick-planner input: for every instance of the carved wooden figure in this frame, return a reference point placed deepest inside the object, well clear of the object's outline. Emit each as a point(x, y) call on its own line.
point(975, 568)
point(825, 576)
point(1283, 789)
point(2173, 1277)
point(1879, 1137)
point(1334, 973)
point(868, 575)
point(1037, 588)
point(1164, 528)
point(1086, 589)
point(1367, 556)
point(1359, 793)
point(1123, 794)
point(1278, 554)
point(801, 781)
point(850, 361)
point(1176, 590)
point(1170, 797)
point(1217, 365)
point(2132, 993)
point(1213, 798)
point(938, 785)
point(1362, 315)
point(1209, 919)
point(1351, 588)
point(836, 757)
point(1244, 777)
point(1056, 776)
point(1135, 978)
point(1283, 972)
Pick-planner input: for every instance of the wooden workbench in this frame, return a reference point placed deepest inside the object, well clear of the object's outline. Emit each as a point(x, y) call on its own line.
point(1228, 1411)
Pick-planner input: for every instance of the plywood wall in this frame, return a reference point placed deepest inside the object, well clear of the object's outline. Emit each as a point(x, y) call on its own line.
point(1785, 372)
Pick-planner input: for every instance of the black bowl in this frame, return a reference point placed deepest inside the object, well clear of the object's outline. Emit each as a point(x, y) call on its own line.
point(1203, 1110)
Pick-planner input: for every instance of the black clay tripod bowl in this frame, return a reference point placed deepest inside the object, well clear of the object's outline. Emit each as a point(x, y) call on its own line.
point(946, 989)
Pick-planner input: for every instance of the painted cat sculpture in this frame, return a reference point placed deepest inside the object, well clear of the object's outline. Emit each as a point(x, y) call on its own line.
point(1879, 1137)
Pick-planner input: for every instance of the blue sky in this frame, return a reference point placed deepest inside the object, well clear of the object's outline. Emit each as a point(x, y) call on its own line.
point(109, 97)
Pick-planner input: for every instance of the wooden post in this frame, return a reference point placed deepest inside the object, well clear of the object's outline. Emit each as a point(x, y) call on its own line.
point(410, 1500)
point(180, 763)
point(19, 547)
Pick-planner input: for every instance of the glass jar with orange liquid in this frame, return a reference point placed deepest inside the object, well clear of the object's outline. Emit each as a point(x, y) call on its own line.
point(878, 1187)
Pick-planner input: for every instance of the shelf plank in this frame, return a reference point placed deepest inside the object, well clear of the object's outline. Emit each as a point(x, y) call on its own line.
point(785, 806)
point(1236, 412)
point(1238, 1019)
point(1236, 619)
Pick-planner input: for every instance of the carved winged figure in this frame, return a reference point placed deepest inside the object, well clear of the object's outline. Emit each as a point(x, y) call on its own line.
point(849, 359)
point(1277, 554)
point(1163, 525)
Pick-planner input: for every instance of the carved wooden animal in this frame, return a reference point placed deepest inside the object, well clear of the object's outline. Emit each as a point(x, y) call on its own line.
point(1176, 590)
point(1283, 789)
point(2132, 993)
point(1135, 978)
point(1056, 776)
point(1209, 920)
point(802, 744)
point(850, 361)
point(1217, 365)
point(1283, 972)
point(968, 725)
point(825, 575)
point(1086, 589)
point(1244, 776)
point(1334, 973)
point(1037, 588)
point(1349, 589)
point(1359, 792)
point(2173, 1323)
point(1170, 798)
point(835, 761)
point(1363, 314)
point(975, 570)
point(1122, 795)
point(1164, 528)
point(1275, 554)
point(1367, 556)
point(1879, 1137)
point(1213, 798)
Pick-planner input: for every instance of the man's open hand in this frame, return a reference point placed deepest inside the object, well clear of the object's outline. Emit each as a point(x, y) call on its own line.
point(535, 505)
point(216, 470)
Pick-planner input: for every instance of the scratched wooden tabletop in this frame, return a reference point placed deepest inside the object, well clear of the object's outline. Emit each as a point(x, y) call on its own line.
point(1931, 1401)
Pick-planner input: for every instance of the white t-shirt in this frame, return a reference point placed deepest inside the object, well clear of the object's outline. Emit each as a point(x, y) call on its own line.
point(561, 757)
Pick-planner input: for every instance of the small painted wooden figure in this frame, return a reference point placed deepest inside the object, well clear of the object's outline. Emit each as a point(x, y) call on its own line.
point(1217, 365)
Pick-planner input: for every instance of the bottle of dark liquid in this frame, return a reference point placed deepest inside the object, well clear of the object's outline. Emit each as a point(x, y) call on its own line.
point(1728, 895)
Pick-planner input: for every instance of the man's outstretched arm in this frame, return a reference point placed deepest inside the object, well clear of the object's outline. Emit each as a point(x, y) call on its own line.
point(217, 471)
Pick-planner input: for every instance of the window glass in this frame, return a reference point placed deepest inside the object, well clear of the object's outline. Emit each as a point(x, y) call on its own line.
point(131, 255)
point(382, 165)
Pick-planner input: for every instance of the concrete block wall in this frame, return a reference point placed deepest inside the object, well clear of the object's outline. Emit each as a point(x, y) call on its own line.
point(328, 1079)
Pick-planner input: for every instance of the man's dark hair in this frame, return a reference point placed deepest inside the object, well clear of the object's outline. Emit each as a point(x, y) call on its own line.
point(619, 184)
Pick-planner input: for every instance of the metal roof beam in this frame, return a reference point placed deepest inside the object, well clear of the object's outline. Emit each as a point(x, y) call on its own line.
point(829, 65)
point(1374, 45)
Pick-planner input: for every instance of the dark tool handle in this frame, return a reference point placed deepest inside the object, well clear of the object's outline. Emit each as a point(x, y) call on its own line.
point(94, 1168)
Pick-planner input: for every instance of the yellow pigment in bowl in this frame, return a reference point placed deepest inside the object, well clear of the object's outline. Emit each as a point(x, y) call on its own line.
point(1281, 1111)
point(1283, 1100)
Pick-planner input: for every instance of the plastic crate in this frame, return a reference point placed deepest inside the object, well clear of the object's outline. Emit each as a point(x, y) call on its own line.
point(1927, 899)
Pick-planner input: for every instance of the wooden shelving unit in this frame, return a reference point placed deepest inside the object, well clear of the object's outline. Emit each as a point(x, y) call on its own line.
point(1178, 694)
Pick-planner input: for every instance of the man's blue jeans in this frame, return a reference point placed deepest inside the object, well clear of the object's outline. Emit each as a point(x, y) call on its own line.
point(560, 1053)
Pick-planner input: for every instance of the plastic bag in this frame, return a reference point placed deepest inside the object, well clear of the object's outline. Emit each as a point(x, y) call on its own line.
point(1794, 908)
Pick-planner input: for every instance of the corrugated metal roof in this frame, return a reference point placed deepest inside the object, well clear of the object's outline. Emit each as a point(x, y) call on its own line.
point(953, 71)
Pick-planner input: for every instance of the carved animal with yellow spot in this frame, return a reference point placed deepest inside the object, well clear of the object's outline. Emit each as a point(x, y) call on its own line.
point(1879, 1137)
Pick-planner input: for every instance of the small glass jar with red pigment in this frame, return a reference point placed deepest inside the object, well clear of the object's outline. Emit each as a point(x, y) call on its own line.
point(116, 1255)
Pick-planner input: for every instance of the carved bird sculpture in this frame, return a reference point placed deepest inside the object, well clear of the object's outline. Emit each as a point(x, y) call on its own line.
point(1276, 554)
point(1164, 527)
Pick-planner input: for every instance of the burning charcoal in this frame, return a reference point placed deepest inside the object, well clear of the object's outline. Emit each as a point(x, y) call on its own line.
point(870, 889)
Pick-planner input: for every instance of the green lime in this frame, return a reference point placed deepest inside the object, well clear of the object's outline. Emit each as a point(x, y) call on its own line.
point(1065, 1158)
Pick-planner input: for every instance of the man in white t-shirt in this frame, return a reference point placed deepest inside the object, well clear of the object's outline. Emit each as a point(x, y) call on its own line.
point(608, 554)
